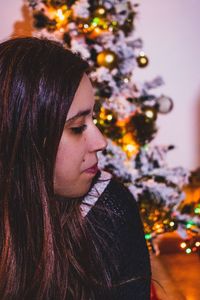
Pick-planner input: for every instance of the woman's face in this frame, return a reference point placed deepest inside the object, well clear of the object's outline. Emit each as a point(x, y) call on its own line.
point(76, 160)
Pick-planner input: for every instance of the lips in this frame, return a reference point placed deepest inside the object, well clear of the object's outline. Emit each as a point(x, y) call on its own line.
point(93, 169)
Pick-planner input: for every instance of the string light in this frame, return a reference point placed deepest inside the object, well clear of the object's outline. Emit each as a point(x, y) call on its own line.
point(188, 250)
point(95, 22)
point(100, 11)
point(197, 210)
point(126, 80)
point(109, 117)
point(197, 244)
point(183, 245)
point(107, 59)
point(149, 114)
point(130, 148)
point(190, 245)
point(60, 14)
point(148, 236)
point(129, 145)
point(188, 226)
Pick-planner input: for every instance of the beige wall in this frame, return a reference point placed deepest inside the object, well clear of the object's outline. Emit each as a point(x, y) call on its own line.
point(15, 18)
point(170, 31)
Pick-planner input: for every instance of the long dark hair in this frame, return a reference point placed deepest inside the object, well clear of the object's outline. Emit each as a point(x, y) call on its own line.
point(44, 247)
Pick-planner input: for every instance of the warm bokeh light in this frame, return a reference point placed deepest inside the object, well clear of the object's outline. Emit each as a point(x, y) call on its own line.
point(60, 14)
point(183, 245)
point(197, 244)
point(109, 117)
point(188, 250)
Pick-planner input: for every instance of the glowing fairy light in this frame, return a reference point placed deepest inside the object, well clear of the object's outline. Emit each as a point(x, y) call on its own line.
point(130, 148)
point(188, 226)
point(97, 31)
point(101, 11)
point(149, 114)
point(109, 58)
point(126, 80)
point(188, 250)
point(60, 15)
point(197, 210)
point(148, 236)
point(109, 117)
point(95, 22)
point(197, 244)
point(183, 245)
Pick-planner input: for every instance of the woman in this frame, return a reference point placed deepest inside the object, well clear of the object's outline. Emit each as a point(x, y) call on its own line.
point(58, 241)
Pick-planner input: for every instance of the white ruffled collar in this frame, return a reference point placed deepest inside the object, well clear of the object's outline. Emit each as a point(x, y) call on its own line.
point(91, 198)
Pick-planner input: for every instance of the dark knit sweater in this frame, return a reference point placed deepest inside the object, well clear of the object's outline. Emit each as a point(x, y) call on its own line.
point(122, 230)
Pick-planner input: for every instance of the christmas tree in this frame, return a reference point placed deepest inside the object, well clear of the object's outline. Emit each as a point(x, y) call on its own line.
point(103, 33)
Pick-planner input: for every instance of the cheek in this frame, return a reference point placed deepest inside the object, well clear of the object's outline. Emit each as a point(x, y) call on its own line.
point(69, 158)
point(64, 158)
point(68, 177)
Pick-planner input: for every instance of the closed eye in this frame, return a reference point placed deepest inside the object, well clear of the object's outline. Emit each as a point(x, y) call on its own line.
point(79, 129)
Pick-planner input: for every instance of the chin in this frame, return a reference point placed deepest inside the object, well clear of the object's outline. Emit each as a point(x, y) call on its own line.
point(86, 187)
point(81, 191)
point(81, 188)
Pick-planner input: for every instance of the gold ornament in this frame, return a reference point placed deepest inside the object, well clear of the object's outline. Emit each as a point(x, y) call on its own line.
point(142, 60)
point(107, 59)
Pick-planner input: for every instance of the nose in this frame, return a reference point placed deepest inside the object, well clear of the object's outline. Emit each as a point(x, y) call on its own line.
point(98, 142)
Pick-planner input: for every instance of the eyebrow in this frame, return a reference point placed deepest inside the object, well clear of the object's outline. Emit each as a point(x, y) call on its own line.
point(81, 113)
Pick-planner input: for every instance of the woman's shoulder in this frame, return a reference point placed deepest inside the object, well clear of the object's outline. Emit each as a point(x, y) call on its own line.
point(119, 199)
point(116, 219)
point(110, 200)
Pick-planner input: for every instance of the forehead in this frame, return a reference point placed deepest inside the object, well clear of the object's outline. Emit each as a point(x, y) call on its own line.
point(84, 97)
